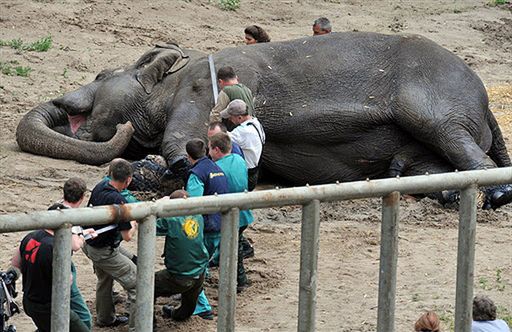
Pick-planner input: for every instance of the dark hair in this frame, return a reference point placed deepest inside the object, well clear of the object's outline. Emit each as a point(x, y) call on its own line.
point(257, 32)
point(226, 73)
point(196, 148)
point(219, 124)
point(120, 170)
point(323, 23)
point(221, 141)
point(483, 308)
point(180, 193)
point(428, 322)
point(74, 190)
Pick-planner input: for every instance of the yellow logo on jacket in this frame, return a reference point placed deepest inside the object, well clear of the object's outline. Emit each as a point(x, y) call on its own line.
point(191, 228)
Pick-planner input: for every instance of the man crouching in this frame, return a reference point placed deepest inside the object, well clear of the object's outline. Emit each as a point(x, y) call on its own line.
point(186, 259)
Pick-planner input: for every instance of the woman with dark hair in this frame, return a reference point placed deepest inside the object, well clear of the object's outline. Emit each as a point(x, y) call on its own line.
point(428, 322)
point(255, 34)
point(484, 316)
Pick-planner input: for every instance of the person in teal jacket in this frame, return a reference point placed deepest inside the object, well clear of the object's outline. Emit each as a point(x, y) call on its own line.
point(235, 169)
point(186, 259)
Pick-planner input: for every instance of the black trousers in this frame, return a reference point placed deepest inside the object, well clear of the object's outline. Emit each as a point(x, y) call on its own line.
point(41, 316)
point(253, 177)
point(167, 284)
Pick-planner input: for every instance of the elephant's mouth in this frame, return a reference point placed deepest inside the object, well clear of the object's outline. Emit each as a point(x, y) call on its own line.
point(76, 122)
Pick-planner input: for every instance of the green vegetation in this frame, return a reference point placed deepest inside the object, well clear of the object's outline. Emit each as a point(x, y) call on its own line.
point(10, 68)
point(498, 2)
point(498, 283)
point(229, 4)
point(41, 45)
point(447, 319)
point(503, 313)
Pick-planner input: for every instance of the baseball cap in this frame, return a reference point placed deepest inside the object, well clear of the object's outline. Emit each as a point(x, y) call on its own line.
point(235, 107)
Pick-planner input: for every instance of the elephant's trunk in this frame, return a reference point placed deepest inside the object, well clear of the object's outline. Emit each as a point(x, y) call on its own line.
point(35, 135)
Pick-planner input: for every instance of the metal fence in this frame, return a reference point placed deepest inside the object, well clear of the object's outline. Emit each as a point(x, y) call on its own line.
point(230, 205)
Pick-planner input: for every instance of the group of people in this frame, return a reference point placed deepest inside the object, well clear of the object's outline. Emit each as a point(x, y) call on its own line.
point(228, 162)
point(255, 34)
point(484, 318)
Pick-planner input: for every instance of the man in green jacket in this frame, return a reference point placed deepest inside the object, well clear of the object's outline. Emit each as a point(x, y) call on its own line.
point(231, 89)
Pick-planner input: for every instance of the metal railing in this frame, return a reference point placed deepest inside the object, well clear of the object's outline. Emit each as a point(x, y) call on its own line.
point(230, 205)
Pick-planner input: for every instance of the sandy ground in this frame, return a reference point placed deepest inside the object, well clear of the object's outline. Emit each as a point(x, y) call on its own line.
point(89, 35)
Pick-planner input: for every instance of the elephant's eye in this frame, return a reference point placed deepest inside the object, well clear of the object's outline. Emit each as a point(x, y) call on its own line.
point(104, 74)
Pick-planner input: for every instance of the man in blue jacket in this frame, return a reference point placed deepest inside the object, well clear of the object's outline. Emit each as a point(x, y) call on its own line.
point(236, 172)
point(205, 178)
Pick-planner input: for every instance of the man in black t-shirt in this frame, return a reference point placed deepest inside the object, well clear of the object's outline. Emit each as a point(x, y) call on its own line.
point(108, 262)
point(35, 260)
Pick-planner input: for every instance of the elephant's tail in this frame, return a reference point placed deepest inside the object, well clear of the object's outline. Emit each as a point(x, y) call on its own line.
point(498, 151)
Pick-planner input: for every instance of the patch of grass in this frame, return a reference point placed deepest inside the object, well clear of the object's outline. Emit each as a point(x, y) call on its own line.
point(498, 2)
point(504, 314)
point(229, 4)
point(65, 73)
point(10, 68)
point(448, 320)
point(483, 282)
point(41, 45)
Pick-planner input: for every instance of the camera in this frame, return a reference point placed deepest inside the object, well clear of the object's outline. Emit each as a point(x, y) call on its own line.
point(7, 294)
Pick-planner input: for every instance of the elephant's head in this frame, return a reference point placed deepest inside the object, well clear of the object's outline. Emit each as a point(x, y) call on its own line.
point(95, 123)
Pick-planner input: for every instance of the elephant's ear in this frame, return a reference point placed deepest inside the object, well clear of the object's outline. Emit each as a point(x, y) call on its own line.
point(155, 64)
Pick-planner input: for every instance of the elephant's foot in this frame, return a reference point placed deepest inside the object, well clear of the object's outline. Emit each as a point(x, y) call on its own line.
point(449, 198)
point(497, 196)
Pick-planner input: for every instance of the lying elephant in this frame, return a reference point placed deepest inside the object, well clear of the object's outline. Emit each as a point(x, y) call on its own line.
point(343, 106)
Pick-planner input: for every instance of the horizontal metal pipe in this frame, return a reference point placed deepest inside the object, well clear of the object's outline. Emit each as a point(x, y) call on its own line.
point(257, 199)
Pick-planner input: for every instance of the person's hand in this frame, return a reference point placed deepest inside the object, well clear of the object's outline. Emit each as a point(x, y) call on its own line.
point(165, 198)
point(91, 232)
point(134, 224)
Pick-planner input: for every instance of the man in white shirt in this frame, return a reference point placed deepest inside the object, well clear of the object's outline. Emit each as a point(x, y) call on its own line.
point(484, 316)
point(249, 134)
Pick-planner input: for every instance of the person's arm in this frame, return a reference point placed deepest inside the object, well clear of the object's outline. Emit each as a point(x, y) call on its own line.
point(162, 225)
point(237, 137)
point(16, 259)
point(222, 103)
point(195, 187)
point(127, 234)
point(78, 240)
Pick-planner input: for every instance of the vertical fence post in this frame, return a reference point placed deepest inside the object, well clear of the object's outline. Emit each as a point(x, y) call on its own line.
point(145, 274)
point(388, 262)
point(227, 273)
point(61, 275)
point(465, 259)
point(309, 242)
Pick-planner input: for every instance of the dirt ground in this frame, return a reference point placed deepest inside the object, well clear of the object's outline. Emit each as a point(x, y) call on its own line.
point(89, 35)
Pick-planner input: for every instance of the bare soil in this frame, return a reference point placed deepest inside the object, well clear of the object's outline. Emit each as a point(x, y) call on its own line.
point(90, 35)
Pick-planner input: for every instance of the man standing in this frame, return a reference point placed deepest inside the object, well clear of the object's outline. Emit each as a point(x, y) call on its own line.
point(236, 172)
point(35, 260)
point(218, 127)
point(231, 89)
point(321, 26)
point(206, 178)
point(185, 258)
point(108, 262)
point(249, 134)
point(214, 128)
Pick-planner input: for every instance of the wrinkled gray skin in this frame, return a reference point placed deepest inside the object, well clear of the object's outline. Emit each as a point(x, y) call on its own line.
point(343, 106)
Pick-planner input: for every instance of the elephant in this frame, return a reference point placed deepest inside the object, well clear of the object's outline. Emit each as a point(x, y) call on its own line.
point(337, 107)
